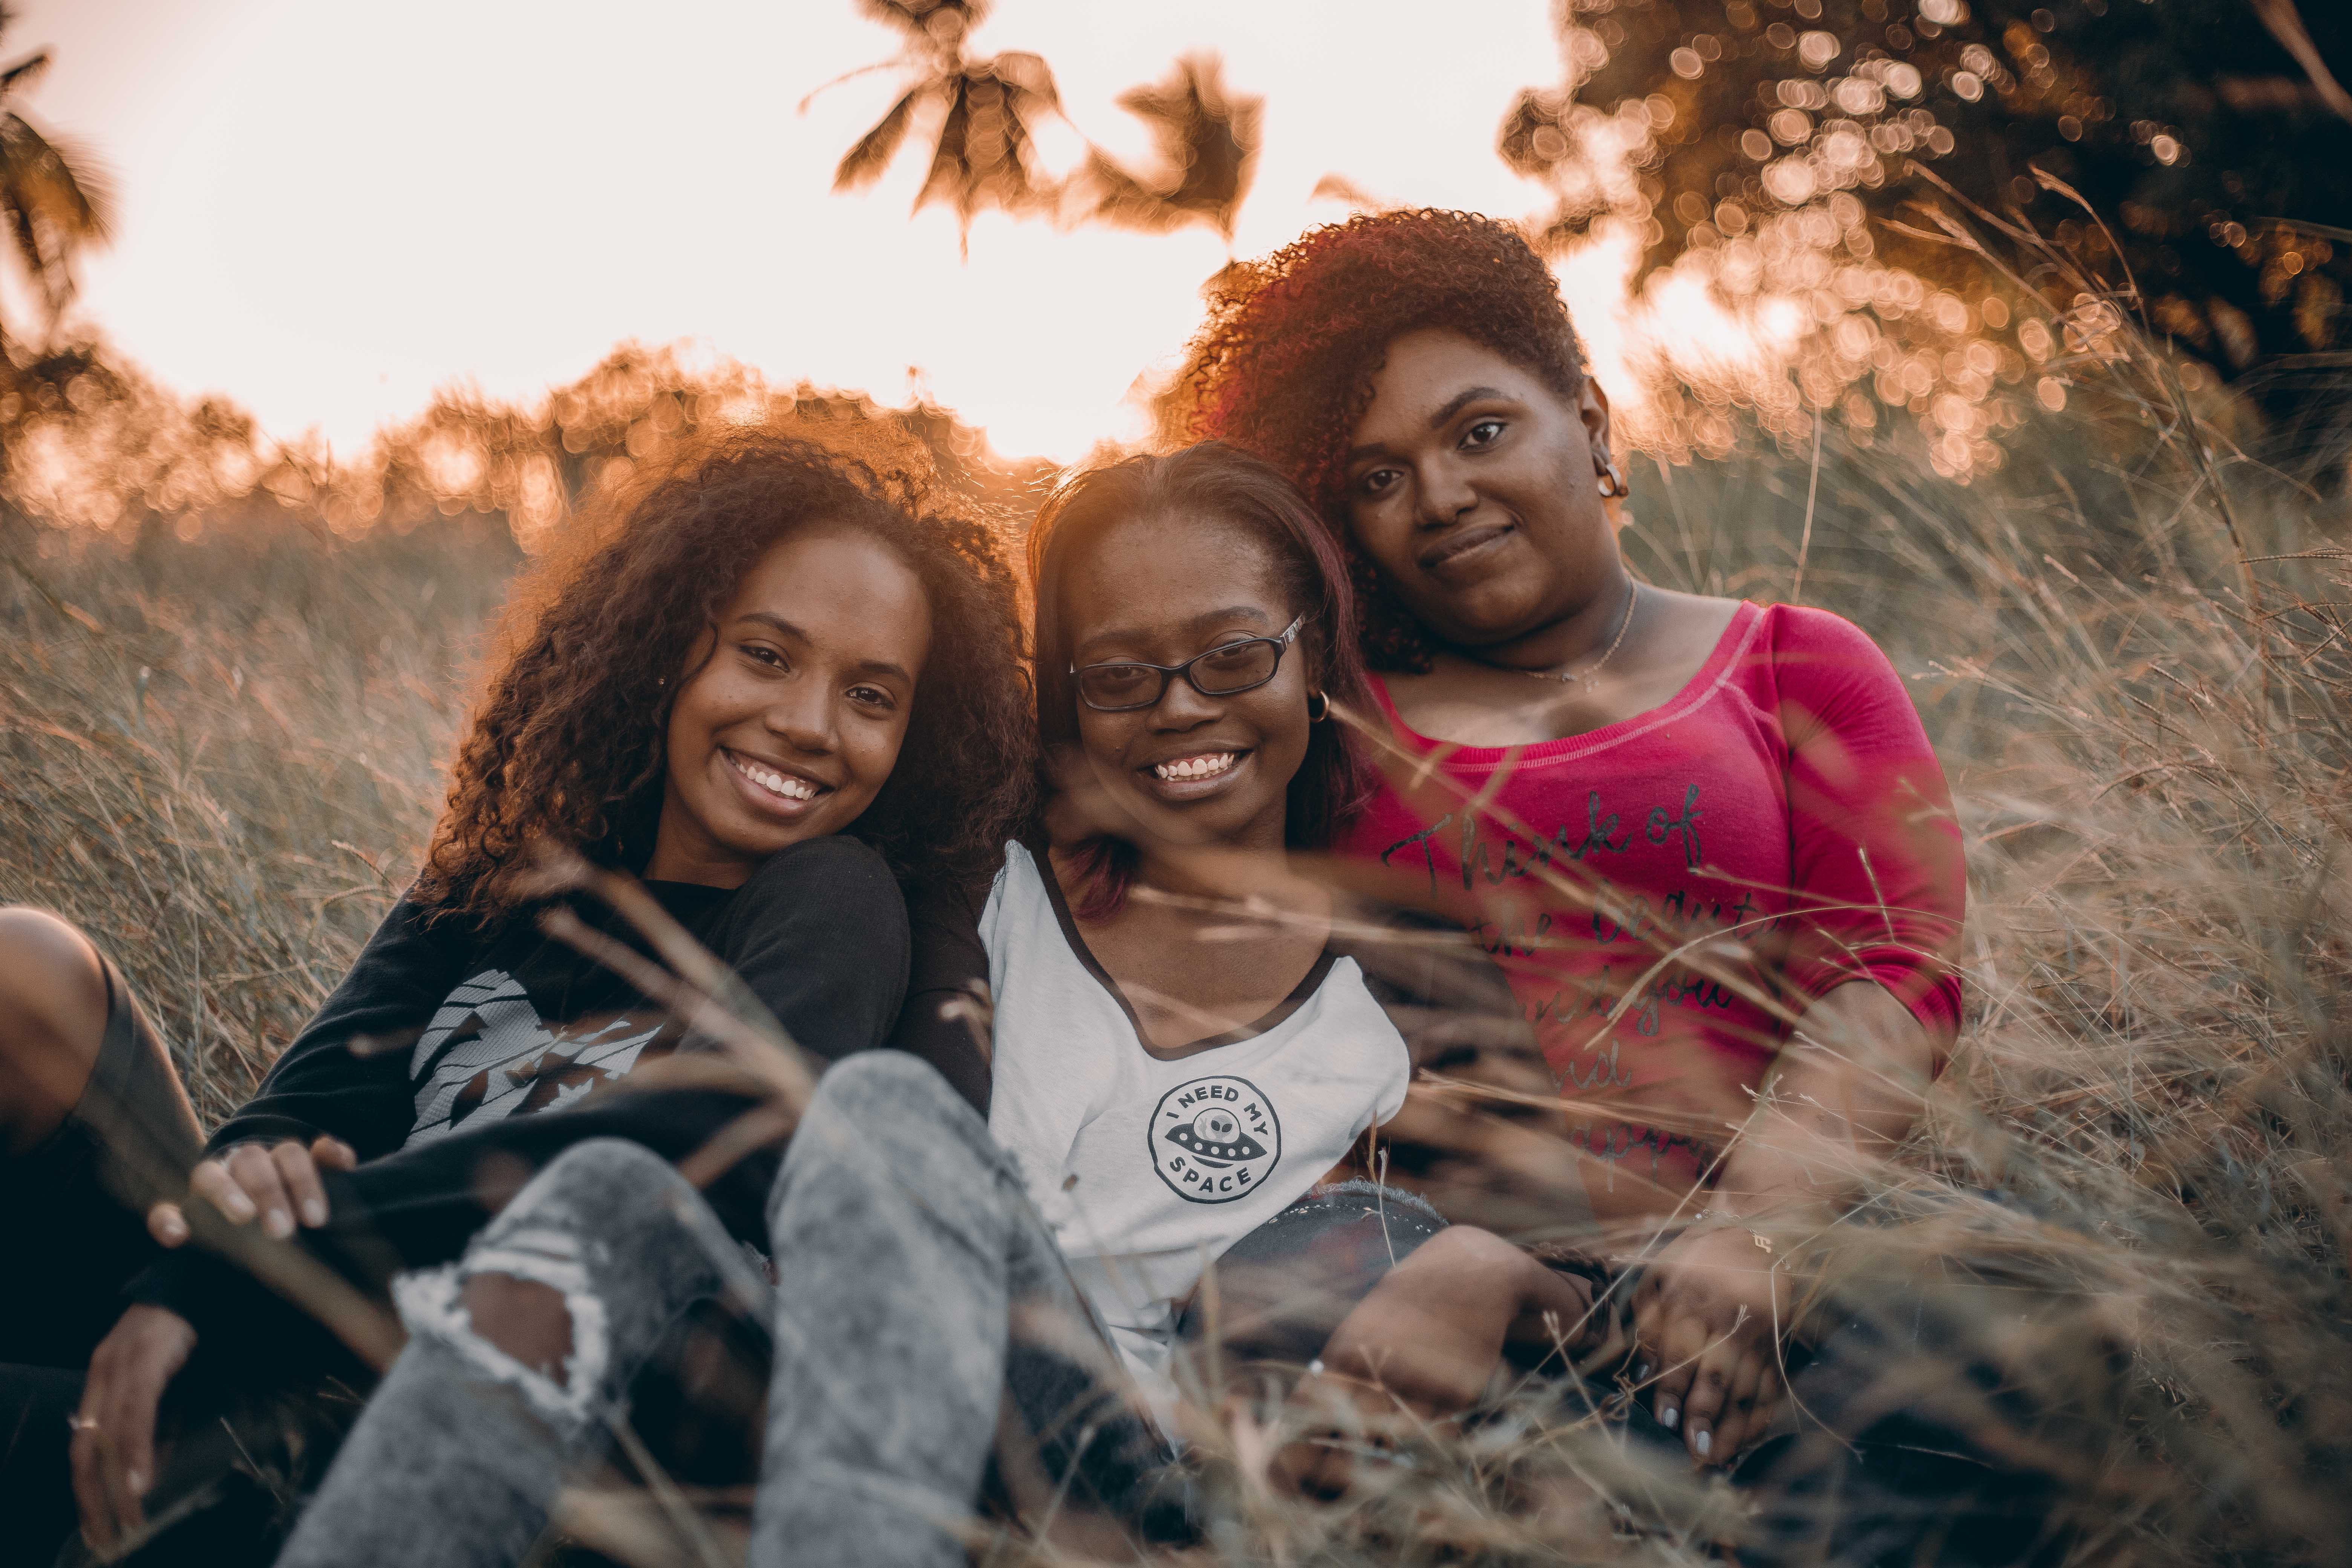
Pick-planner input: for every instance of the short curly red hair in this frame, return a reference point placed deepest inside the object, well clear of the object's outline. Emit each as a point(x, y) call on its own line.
point(1284, 365)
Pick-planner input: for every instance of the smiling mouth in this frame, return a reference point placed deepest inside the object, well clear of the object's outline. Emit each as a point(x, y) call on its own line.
point(1195, 769)
point(1462, 543)
point(785, 787)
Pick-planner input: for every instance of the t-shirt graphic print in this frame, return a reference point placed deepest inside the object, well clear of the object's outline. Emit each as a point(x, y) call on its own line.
point(1215, 1140)
point(486, 1055)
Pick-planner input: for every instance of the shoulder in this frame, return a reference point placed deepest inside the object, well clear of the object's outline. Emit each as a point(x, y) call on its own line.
point(838, 863)
point(415, 937)
point(836, 882)
point(1827, 675)
point(1803, 640)
point(956, 899)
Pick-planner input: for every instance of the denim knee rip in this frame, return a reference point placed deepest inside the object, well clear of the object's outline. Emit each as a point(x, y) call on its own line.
point(432, 1303)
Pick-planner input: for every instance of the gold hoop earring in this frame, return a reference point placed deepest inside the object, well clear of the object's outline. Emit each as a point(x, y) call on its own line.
point(1318, 706)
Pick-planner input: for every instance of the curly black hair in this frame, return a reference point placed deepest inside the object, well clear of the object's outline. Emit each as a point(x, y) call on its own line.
point(1283, 365)
point(567, 745)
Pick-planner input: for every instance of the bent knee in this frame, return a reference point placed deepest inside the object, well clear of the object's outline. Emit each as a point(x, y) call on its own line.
point(50, 976)
point(886, 1084)
point(594, 1187)
point(53, 1009)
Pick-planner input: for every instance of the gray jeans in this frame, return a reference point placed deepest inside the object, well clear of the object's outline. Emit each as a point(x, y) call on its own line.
point(919, 1296)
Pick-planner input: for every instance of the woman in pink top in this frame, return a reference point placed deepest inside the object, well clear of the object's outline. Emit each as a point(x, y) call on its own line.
point(1708, 839)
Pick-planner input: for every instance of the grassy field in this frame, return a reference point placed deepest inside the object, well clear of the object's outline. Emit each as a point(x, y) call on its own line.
point(221, 756)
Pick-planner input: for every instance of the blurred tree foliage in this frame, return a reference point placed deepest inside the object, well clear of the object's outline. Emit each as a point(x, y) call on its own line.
point(87, 442)
point(54, 200)
point(1750, 143)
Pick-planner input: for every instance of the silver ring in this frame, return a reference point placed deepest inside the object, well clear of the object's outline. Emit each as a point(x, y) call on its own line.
point(80, 1422)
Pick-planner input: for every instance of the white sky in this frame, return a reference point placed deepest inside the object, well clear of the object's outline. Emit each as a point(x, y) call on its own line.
point(329, 209)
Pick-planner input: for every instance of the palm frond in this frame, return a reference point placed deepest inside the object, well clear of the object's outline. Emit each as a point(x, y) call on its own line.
point(1117, 197)
point(1207, 140)
point(983, 157)
point(1338, 187)
point(69, 189)
point(951, 175)
point(864, 163)
point(20, 77)
point(1027, 78)
point(32, 250)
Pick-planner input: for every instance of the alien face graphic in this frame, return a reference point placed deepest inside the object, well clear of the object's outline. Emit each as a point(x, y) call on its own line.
point(1214, 1140)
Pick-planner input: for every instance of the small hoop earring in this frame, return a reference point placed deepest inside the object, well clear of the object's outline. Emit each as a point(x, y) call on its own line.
point(1612, 483)
point(1318, 706)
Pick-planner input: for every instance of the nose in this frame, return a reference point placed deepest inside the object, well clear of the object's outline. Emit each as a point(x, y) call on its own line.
point(802, 714)
point(1444, 492)
point(1184, 706)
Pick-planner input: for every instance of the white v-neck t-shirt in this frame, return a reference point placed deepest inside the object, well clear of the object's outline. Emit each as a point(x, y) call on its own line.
point(1149, 1169)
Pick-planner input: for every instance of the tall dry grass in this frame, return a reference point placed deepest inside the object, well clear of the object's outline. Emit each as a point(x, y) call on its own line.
point(221, 755)
point(2131, 1192)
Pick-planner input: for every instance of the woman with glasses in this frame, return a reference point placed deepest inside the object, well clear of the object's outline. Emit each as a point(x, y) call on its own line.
point(1193, 1038)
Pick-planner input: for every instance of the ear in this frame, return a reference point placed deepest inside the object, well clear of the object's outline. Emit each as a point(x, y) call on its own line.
point(1592, 410)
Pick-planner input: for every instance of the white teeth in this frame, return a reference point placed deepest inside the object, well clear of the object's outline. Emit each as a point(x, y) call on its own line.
point(774, 782)
point(1200, 767)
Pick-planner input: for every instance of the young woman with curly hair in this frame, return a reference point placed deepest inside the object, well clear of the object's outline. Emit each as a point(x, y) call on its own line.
point(767, 684)
point(1708, 839)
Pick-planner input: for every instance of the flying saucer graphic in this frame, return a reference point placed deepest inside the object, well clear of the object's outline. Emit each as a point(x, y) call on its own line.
point(1214, 1140)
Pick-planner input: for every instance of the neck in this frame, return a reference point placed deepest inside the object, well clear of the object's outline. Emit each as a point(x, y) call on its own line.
point(681, 854)
point(1223, 871)
point(1227, 885)
point(1577, 638)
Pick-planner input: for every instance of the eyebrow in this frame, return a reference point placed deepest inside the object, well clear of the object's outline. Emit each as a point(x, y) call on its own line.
point(1198, 623)
point(1438, 420)
point(862, 666)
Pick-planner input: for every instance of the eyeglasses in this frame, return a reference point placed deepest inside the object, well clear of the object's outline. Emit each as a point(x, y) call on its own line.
point(1226, 670)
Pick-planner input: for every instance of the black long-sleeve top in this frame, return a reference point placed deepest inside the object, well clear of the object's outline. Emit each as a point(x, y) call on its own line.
point(456, 1061)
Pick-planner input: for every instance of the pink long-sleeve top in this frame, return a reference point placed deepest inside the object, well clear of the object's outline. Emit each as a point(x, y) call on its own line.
point(1667, 892)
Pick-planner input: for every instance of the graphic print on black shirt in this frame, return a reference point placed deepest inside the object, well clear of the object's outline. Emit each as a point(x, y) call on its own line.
point(487, 1054)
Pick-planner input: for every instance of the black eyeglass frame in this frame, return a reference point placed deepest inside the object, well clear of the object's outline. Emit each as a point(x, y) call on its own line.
point(1167, 672)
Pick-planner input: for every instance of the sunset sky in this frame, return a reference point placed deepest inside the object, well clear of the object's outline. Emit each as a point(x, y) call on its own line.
point(328, 210)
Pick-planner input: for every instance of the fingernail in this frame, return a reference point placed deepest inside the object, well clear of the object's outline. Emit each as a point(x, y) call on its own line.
point(1668, 1416)
point(1642, 1372)
point(279, 1224)
point(240, 1207)
point(314, 1212)
point(1702, 1439)
point(139, 1482)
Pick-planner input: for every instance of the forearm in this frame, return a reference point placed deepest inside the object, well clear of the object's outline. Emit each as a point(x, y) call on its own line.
point(1842, 1096)
point(1432, 1329)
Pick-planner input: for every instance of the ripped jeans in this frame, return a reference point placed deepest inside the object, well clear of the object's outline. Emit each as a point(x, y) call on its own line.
point(883, 1409)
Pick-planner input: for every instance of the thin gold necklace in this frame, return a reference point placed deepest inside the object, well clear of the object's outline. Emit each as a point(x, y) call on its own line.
point(1589, 675)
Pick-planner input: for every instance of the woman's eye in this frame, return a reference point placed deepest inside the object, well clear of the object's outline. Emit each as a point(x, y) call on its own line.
point(1377, 482)
point(760, 653)
point(1485, 433)
point(871, 697)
